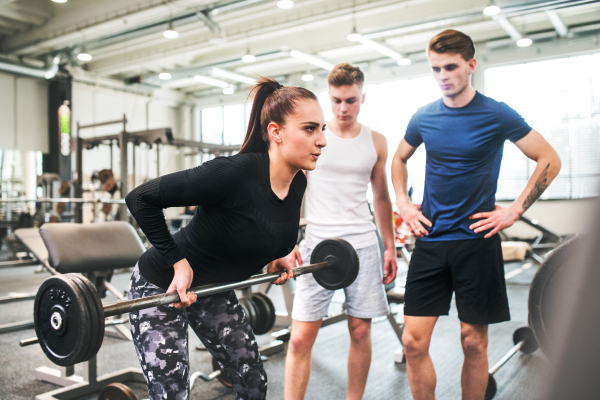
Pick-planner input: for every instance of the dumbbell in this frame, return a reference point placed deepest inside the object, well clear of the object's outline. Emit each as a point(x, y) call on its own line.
point(525, 341)
point(69, 316)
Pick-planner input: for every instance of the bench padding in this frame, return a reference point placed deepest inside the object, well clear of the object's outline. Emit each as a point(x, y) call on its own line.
point(31, 238)
point(91, 247)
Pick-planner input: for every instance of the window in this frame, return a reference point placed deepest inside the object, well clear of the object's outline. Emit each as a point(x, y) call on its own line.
point(561, 100)
point(234, 124)
point(212, 125)
point(224, 125)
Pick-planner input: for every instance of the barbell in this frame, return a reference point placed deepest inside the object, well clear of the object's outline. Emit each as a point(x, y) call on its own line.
point(69, 315)
point(524, 340)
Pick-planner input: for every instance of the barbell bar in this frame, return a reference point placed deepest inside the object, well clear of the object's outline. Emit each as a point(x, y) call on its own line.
point(69, 315)
point(128, 306)
point(524, 340)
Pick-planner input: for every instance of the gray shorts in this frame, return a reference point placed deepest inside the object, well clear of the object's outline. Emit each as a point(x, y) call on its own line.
point(365, 298)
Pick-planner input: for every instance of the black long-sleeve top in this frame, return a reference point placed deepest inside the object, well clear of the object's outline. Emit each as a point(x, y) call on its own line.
point(239, 226)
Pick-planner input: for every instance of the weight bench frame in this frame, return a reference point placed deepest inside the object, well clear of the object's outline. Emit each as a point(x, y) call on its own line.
point(74, 385)
point(31, 238)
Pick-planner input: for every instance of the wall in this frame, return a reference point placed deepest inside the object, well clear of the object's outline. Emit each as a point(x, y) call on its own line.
point(561, 216)
point(23, 114)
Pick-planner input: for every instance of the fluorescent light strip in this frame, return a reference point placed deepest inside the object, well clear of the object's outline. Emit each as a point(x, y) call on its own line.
point(380, 48)
point(558, 23)
point(311, 60)
point(509, 28)
point(211, 81)
point(232, 75)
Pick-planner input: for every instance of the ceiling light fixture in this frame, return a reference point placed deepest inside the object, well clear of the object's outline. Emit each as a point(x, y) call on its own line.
point(248, 57)
point(170, 33)
point(354, 36)
point(229, 90)
point(165, 76)
point(492, 10)
point(311, 60)
point(285, 4)
point(211, 81)
point(307, 77)
point(524, 42)
point(404, 61)
point(232, 75)
point(84, 56)
point(59, 1)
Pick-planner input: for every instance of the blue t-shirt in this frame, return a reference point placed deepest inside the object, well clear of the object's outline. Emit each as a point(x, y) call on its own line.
point(464, 149)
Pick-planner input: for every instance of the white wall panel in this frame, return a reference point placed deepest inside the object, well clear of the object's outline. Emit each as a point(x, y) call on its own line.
point(7, 112)
point(32, 115)
point(23, 114)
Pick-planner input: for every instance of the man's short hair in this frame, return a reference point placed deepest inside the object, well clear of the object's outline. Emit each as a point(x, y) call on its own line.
point(452, 41)
point(345, 74)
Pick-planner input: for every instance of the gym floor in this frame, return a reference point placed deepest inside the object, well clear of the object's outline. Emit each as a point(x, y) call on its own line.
point(519, 379)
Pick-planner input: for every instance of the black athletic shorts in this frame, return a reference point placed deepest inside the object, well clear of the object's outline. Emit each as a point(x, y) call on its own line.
point(473, 268)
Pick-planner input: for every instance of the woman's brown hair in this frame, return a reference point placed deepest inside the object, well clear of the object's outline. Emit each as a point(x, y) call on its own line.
point(272, 103)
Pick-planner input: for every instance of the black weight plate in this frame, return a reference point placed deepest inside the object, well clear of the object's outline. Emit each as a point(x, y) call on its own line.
point(262, 315)
point(245, 311)
point(526, 333)
point(346, 270)
point(100, 312)
point(250, 310)
point(96, 314)
point(271, 316)
point(222, 376)
point(117, 391)
point(59, 295)
point(544, 295)
point(491, 389)
point(87, 302)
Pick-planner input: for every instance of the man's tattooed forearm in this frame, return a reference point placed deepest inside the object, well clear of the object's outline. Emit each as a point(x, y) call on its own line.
point(540, 185)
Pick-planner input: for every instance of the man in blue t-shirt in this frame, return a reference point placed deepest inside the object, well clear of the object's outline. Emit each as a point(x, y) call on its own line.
point(458, 246)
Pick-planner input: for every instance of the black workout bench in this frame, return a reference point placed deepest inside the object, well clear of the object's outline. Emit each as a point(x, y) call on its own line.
point(86, 249)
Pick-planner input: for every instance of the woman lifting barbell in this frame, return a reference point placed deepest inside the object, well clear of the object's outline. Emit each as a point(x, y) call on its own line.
point(247, 216)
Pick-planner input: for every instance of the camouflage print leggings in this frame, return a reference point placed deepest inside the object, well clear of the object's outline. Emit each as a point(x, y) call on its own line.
point(160, 335)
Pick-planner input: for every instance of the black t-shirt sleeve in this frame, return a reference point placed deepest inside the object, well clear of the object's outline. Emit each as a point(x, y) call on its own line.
point(208, 184)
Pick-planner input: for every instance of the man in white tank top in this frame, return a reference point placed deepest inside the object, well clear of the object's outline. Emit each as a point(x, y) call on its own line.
point(336, 206)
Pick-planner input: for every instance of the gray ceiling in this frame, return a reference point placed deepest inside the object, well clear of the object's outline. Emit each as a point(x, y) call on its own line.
point(125, 37)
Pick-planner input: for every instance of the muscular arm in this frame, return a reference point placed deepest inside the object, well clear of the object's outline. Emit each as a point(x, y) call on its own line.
point(410, 213)
point(400, 172)
point(548, 165)
point(383, 206)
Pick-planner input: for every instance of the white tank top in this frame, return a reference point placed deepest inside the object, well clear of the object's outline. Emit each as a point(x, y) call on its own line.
point(336, 204)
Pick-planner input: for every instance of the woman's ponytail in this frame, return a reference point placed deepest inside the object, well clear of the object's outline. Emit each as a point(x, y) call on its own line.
point(256, 141)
